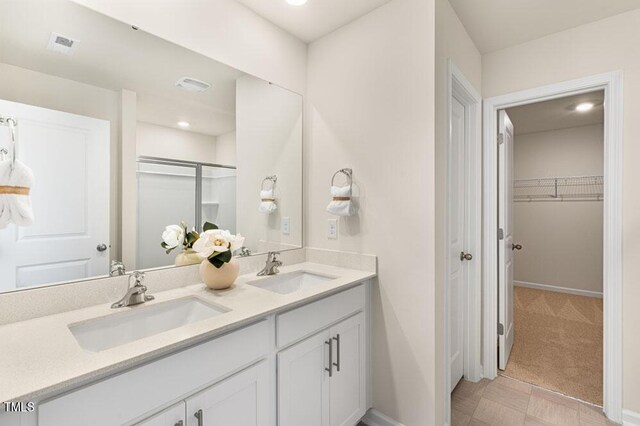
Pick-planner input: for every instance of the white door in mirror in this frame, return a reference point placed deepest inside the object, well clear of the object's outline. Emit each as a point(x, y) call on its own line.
point(69, 156)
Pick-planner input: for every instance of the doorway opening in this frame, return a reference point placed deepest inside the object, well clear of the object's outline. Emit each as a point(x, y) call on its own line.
point(498, 251)
point(551, 180)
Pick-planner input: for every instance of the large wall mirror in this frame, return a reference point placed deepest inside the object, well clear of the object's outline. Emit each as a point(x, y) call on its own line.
point(126, 134)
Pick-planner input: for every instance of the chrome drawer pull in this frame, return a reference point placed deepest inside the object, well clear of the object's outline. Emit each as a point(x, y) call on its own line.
point(330, 369)
point(337, 339)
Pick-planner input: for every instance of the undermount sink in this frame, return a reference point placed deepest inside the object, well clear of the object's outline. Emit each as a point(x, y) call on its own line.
point(140, 322)
point(291, 281)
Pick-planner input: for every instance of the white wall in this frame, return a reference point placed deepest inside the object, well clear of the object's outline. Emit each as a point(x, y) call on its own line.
point(268, 142)
point(223, 30)
point(226, 149)
point(370, 100)
point(175, 144)
point(607, 45)
point(562, 241)
point(46, 91)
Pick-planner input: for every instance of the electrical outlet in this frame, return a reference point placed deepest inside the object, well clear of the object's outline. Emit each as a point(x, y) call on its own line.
point(332, 229)
point(286, 226)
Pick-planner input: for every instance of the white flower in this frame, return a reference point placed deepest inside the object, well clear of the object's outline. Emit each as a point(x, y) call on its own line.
point(173, 236)
point(217, 240)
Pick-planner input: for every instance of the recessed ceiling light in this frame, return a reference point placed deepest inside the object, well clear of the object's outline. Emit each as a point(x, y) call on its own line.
point(296, 2)
point(584, 106)
point(183, 124)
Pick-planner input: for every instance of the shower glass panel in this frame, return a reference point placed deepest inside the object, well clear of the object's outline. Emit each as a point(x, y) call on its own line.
point(219, 196)
point(166, 196)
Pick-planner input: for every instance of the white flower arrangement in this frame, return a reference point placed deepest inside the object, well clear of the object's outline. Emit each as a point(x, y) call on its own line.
point(216, 245)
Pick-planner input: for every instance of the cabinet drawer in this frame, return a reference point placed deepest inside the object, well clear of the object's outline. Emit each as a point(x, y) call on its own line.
point(128, 396)
point(308, 319)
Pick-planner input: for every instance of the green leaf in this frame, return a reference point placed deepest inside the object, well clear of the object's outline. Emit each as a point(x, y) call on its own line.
point(216, 262)
point(163, 245)
point(209, 226)
point(225, 256)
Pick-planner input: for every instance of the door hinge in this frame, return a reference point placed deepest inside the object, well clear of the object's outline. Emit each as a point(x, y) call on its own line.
point(500, 234)
point(500, 138)
point(500, 329)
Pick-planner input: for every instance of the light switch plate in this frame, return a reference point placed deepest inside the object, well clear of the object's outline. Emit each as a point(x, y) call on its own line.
point(332, 229)
point(286, 225)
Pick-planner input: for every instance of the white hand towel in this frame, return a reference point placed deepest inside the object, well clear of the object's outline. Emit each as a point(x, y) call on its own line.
point(15, 207)
point(341, 205)
point(267, 203)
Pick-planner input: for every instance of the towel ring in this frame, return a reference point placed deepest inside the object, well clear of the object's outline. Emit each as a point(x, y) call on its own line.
point(11, 123)
point(273, 179)
point(347, 172)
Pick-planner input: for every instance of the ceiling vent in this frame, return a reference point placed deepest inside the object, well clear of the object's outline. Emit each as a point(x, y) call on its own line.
point(62, 44)
point(192, 84)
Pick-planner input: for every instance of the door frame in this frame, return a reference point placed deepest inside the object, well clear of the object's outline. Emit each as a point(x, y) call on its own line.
point(460, 88)
point(611, 83)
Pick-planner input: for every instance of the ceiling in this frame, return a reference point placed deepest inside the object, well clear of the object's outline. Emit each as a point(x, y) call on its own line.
point(314, 19)
point(497, 24)
point(112, 55)
point(557, 114)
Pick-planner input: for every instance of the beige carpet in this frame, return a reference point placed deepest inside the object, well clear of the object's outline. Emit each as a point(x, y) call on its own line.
point(558, 343)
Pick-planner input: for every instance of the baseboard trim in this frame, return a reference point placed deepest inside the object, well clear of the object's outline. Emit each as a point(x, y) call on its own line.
point(376, 418)
point(630, 418)
point(557, 289)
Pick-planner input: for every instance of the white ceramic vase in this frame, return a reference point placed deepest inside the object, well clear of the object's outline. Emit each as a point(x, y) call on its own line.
point(219, 278)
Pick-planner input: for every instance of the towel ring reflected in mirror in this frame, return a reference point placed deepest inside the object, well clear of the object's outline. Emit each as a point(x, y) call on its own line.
point(273, 179)
point(12, 123)
point(347, 172)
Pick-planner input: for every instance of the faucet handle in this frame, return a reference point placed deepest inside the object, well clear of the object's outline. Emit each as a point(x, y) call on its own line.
point(272, 256)
point(138, 278)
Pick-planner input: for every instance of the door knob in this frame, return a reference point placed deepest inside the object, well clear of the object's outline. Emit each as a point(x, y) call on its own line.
point(465, 256)
point(101, 247)
point(516, 246)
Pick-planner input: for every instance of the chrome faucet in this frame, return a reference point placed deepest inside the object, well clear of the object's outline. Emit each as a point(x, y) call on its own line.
point(117, 268)
point(271, 267)
point(136, 293)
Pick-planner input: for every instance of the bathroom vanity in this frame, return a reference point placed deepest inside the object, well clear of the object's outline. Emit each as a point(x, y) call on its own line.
point(288, 349)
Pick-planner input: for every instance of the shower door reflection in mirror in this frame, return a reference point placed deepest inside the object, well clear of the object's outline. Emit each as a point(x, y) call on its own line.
point(125, 142)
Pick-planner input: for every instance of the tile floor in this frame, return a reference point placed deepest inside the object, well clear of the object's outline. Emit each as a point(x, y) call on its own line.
point(508, 402)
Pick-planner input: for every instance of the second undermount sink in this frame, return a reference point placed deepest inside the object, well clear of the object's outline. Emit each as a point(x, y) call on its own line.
point(291, 281)
point(140, 322)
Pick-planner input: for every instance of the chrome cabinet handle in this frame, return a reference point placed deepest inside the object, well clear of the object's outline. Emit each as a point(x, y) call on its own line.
point(180, 423)
point(516, 246)
point(337, 364)
point(101, 247)
point(330, 369)
point(465, 256)
point(198, 415)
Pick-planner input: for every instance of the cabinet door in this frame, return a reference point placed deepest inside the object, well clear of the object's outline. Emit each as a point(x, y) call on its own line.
point(348, 383)
point(241, 400)
point(172, 416)
point(303, 383)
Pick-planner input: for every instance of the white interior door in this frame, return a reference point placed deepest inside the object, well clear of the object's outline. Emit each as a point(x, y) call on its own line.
point(505, 239)
point(69, 155)
point(456, 233)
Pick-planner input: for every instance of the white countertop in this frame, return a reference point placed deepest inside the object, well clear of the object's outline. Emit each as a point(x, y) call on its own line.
point(40, 357)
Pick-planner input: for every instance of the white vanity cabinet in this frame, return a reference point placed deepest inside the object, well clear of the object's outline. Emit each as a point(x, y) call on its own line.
point(322, 380)
point(305, 366)
point(172, 416)
point(241, 400)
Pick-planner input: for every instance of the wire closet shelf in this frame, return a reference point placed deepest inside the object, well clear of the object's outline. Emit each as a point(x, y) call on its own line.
point(569, 188)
